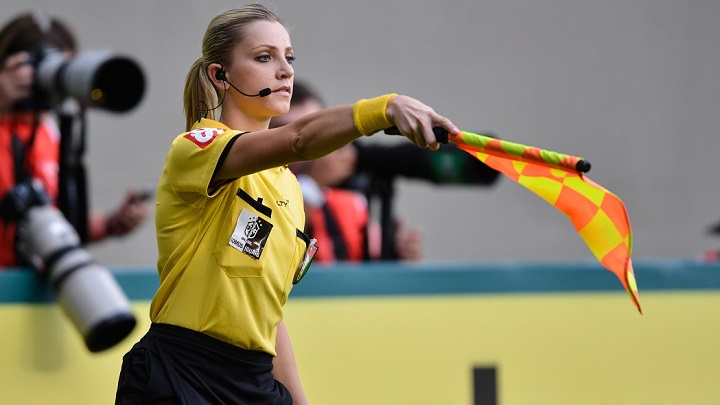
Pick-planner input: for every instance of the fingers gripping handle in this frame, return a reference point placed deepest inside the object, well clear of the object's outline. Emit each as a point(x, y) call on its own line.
point(440, 133)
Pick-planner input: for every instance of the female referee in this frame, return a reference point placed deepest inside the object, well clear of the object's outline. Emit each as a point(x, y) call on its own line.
point(229, 215)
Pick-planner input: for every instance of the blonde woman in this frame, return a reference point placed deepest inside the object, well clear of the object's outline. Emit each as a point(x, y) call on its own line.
point(229, 218)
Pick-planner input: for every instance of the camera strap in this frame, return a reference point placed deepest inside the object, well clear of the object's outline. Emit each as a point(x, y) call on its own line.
point(333, 228)
point(18, 152)
point(21, 150)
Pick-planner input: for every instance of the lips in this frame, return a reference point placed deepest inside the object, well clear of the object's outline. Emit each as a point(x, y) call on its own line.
point(284, 89)
point(24, 90)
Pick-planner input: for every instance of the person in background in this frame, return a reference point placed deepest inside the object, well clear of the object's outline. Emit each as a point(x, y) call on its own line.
point(29, 135)
point(337, 217)
point(229, 219)
point(712, 255)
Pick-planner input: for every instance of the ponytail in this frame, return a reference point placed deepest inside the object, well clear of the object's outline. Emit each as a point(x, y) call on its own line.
point(200, 96)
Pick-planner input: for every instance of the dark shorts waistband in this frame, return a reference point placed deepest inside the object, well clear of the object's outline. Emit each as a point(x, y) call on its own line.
point(172, 364)
point(195, 339)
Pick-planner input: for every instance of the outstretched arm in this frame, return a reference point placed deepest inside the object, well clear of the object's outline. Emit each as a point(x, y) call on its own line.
point(319, 133)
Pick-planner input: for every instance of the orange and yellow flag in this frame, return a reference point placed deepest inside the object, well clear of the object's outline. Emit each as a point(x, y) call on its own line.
point(598, 215)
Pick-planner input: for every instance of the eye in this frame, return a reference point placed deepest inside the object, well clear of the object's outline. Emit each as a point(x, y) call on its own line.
point(263, 58)
point(290, 59)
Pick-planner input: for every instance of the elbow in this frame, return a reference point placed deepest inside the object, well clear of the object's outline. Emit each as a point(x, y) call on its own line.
point(300, 147)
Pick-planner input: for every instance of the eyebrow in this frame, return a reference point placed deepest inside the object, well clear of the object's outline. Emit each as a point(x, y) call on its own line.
point(273, 47)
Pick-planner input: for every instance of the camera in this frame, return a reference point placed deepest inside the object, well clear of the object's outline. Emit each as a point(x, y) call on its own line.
point(87, 292)
point(448, 165)
point(95, 78)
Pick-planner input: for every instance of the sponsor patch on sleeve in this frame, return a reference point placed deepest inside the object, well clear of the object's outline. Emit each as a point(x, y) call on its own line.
point(202, 137)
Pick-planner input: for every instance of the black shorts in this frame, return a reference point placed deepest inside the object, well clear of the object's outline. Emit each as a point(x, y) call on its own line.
point(175, 365)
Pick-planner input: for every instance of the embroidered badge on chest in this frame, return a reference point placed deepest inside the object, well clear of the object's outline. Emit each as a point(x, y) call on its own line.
point(250, 235)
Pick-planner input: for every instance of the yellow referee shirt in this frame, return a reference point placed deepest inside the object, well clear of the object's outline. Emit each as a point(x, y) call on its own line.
point(226, 257)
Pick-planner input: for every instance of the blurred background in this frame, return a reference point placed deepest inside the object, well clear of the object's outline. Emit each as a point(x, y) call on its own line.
point(631, 86)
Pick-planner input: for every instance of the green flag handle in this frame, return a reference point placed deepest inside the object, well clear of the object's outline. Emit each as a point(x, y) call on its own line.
point(582, 165)
point(440, 133)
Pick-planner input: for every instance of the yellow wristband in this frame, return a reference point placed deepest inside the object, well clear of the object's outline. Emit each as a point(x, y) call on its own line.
point(369, 114)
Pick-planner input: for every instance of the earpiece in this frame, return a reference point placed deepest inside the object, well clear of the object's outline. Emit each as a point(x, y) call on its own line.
point(220, 75)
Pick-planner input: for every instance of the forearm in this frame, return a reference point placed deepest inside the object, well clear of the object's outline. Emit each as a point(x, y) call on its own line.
point(308, 138)
point(97, 227)
point(285, 368)
point(345, 124)
point(320, 133)
point(102, 226)
point(132, 212)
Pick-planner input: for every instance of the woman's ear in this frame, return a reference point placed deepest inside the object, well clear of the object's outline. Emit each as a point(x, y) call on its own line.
point(216, 73)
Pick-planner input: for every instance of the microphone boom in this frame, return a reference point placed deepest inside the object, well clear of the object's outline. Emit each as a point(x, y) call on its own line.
point(262, 93)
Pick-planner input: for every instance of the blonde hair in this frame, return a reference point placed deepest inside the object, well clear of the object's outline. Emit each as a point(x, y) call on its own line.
point(224, 32)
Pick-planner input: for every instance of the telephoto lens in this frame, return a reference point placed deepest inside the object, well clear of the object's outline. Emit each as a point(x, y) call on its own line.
point(96, 78)
point(87, 292)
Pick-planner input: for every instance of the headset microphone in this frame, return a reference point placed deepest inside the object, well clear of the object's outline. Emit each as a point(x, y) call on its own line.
point(220, 75)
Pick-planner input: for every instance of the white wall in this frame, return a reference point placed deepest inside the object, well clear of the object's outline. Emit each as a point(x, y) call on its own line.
point(630, 85)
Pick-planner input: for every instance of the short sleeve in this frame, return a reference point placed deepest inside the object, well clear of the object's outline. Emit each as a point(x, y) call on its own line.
point(194, 156)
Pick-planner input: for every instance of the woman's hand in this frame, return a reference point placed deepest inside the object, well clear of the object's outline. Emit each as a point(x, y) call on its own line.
point(416, 120)
point(132, 212)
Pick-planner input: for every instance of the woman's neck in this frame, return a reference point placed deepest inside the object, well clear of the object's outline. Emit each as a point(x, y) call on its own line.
point(244, 123)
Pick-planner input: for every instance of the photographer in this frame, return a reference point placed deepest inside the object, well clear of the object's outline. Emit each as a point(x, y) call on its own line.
point(29, 134)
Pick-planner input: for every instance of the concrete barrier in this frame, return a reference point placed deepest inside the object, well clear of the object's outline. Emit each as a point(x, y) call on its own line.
point(435, 333)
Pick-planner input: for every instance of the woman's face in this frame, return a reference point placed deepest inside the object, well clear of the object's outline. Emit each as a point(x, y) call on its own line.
point(262, 60)
point(16, 77)
point(332, 169)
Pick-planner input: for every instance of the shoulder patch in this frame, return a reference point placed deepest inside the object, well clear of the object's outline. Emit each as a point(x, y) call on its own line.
point(202, 137)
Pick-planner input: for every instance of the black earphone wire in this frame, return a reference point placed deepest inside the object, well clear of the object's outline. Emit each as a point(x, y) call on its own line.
point(202, 107)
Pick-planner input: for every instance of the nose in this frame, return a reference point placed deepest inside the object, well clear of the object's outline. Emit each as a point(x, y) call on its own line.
point(286, 70)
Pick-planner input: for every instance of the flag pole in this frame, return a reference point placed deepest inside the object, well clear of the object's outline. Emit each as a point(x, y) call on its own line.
point(536, 155)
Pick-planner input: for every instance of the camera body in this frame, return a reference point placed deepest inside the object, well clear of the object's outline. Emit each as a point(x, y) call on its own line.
point(87, 292)
point(95, 78)
point(448, 165)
